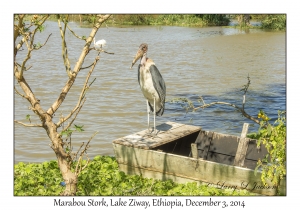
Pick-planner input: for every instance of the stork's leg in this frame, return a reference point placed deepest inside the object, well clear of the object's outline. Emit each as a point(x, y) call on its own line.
point(148, 112)
point(154, 116)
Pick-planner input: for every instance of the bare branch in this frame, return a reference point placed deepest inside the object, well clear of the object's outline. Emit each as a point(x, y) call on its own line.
point(109, 52)
point(213, 103)
point(36, 107)
point(38, 23)
point(245, 89)
point(92, 82)
point(17, 27)
point(16, 71)
point(86, 86)
point(24, 62)
point(78, 170)
point(19, 45)
point(19, 30)
point(39, 47)
point(86, 164)
point(70, 115)
point(107, 26)
point(78, 150)
point(20, 94)
point(101, 50)
point(64, 48)
point(26, 69)
point(28, 125)
point(79, 37)
point(30, 48)
point(81, 98)
point(232, 105)
point(242, 110)
point(77, 67)
point(87, 66)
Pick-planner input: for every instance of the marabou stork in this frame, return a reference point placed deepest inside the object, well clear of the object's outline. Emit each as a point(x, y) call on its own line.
point(151, 82)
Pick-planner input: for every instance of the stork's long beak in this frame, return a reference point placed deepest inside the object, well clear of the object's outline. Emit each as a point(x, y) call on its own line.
point(138, 55)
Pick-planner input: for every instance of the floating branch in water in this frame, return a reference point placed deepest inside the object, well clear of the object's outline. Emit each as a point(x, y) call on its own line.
point(190, 104)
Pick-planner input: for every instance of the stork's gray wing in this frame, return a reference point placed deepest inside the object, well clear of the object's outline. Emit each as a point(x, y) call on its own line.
point(160, 87)
point(139, 74)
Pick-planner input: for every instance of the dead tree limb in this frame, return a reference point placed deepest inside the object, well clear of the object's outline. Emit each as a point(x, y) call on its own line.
point(64, 47)
point(232, 105)
point(79, 167)
point(20, 94)
point(28, 125)
point(79, 37)
point(42, 45)
point(190, 104)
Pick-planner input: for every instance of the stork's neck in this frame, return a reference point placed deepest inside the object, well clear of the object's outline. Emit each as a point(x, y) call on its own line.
point(144, 59)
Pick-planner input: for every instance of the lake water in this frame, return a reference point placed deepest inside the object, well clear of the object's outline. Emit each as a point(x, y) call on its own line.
point(211, 62)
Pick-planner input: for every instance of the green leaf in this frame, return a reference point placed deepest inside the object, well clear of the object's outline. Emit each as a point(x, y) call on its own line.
point(269, 129)
point(28, 117)
point(67, 132)
point(79, 128)
point(41, 28)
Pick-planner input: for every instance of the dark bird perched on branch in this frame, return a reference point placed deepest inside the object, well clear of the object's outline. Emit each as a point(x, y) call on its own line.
point(151, 82)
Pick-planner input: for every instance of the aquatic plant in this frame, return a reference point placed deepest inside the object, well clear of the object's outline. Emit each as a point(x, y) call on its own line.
point(103, 178)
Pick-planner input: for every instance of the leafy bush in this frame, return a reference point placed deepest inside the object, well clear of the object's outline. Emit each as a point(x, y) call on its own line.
point(102, 177)
point(274, 22)
point(134, 19)
point(214, 19)
point(273, 166)
point(37, 179)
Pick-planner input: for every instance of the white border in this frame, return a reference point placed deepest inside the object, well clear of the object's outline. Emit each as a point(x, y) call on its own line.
point(153, 6)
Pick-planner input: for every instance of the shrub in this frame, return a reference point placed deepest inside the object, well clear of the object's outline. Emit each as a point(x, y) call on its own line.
point(273, 166)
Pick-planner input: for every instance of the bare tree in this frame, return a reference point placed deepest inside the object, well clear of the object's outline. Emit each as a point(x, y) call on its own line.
point(70, 163)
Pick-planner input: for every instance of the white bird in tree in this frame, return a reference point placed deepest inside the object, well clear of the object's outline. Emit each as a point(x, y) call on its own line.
point(100, 44)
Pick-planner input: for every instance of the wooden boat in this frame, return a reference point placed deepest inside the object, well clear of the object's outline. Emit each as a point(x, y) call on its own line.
point(186, 153)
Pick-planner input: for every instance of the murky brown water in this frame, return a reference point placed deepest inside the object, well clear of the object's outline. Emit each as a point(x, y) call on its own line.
point(212, 62)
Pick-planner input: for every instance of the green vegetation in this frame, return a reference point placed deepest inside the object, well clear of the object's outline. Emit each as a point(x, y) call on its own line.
point(86, 20)
point(168, 19)
point(273, 166)
point(268, 21)
point(274, 22)
point(102, 177)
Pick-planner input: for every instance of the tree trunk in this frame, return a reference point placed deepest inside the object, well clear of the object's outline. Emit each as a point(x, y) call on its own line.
point(63, 159)
point(244, 20)
point(69, 177)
